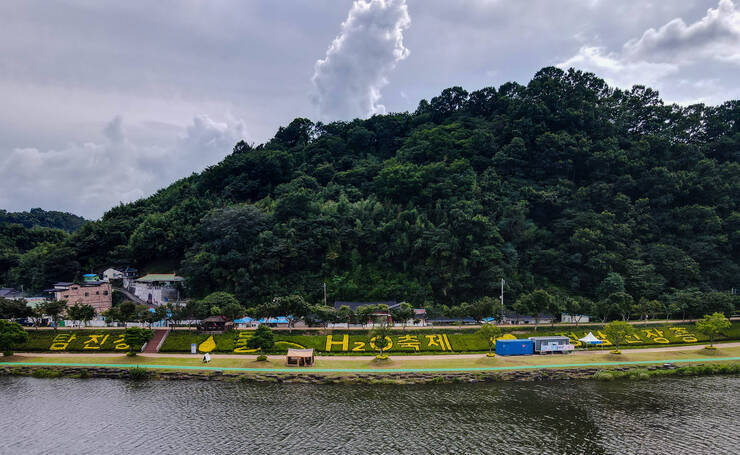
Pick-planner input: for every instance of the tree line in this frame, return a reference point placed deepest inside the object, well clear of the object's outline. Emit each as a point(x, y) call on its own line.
point(610, 201)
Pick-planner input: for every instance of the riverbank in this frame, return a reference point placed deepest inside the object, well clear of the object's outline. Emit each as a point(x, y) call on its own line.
point(401, 369)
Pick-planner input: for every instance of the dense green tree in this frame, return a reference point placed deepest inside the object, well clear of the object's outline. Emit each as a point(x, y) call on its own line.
point(12, 309)
point(54, 309)
point(261, 339)
point(617, 332)
point(712, 325)
point(345, 314)
point(81, 313)
point(613, 283)
point(233, 311)
point(534, 304)
point(380, 337)
point(402, 313)
point(490, 332)
point(11, 334)
point(42, 218)
point(135, 338)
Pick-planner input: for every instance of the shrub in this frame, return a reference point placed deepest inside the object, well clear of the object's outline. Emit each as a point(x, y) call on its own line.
point(261, 358)
point(138, 373)
point(604, 376)
point(7, 353)
point(45, 373)
point(136, 337)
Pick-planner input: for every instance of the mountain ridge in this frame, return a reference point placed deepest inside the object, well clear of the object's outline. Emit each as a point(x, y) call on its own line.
point(554, 185)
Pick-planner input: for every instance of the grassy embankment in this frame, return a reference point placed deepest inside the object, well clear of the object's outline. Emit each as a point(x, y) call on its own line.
point(356, 342)
point(404, 362)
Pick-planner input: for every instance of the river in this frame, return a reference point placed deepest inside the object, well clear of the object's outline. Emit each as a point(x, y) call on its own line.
point(100, 416)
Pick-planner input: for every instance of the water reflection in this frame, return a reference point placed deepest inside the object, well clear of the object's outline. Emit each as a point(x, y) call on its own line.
point(691, 415)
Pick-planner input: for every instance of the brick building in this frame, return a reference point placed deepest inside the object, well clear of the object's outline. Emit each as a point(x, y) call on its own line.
point(97, 294)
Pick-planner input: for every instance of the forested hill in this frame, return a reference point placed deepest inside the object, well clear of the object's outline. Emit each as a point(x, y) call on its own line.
point(42, 218)
point(550, 185)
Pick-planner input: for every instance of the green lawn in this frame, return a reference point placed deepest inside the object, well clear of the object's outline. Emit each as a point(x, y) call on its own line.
point(402, 362)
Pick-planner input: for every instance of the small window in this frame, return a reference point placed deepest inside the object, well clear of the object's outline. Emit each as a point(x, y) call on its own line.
point(74, 288)
point(97, 292)
point(105, 292)
point(66, 296)
point(87, 294)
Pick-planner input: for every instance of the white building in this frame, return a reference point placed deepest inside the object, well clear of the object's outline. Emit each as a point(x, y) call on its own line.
point(574, 318)
point(112, 274)
point(156, 288)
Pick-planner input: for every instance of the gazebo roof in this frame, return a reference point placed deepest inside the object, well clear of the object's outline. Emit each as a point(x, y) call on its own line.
point(166, 277)
point(300, 352)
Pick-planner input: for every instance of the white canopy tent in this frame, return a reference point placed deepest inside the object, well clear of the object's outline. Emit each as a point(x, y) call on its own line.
point(590, 339)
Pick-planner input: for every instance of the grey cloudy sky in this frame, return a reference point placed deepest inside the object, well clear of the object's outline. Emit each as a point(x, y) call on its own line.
point(104, 102)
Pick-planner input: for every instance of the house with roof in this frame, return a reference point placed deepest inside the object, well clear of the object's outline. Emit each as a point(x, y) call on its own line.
point(98, 294)
point(515, 318)
point(156, 288)
point(10, 294)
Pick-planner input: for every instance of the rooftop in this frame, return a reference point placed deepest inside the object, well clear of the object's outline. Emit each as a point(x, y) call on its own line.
point(154, 277)
point(9, 293)
point(300, 352)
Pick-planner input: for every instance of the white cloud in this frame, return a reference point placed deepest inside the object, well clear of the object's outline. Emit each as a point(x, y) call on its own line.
point(88, 178)
point(617, 71)
point(714, 36)
point(673, 58)
point(349, 78)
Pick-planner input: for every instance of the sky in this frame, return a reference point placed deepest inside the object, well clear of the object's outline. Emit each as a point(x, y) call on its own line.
point(105, 102)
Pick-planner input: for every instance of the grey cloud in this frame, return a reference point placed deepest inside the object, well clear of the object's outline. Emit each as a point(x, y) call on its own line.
point(68, 67)
point(114, 130)
point(88, 178)
point(349, 78)
point(682, 61)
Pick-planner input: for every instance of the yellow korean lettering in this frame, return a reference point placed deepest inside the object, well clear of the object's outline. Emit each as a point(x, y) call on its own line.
point(409, 341)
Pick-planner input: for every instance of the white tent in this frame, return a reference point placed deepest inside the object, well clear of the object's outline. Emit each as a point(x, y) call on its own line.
point(590, 339)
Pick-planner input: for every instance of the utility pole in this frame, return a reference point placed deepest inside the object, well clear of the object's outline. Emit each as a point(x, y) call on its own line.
point(502, 300)
point(325, 293)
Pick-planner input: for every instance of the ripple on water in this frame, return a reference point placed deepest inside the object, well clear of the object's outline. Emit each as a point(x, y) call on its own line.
point(688, 415)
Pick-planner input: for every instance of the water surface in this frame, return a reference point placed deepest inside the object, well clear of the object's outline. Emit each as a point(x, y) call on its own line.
point(99, 416)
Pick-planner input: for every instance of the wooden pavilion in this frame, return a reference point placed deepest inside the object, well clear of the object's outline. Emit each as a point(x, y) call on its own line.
point(216, 324)
point(300, 358)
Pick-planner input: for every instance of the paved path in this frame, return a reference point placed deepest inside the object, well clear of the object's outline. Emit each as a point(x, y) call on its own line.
point(352, 357)
point(364, 370)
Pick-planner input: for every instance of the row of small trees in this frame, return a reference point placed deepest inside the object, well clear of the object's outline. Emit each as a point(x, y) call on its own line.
point(615, 305)
point(710, 325)
point(52, 309)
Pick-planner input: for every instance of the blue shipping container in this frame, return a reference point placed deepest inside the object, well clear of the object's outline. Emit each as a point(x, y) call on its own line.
point(514, 347)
